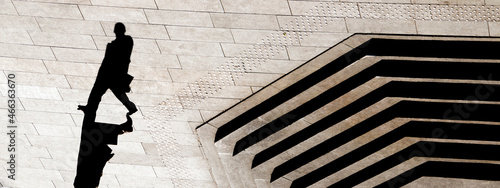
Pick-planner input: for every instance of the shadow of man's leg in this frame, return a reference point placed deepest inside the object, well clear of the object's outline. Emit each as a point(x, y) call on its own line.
point(95, 96)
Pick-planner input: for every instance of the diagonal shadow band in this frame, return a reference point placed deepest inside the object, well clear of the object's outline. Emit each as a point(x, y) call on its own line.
point(404, 108)
point(446, 169)
point(419, 128)
point(373, 47)
point(421, 149)
point(386, 68)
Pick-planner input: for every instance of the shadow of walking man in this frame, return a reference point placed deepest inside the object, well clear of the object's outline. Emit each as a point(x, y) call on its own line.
point(94, 150)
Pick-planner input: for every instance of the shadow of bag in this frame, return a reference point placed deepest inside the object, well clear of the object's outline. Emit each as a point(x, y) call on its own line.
point(124, 82)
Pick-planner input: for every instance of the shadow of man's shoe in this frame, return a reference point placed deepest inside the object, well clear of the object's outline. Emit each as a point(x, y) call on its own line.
point(82, 108)
point(132, 111)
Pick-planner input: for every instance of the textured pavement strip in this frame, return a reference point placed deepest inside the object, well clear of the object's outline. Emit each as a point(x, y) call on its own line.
point(36, 19)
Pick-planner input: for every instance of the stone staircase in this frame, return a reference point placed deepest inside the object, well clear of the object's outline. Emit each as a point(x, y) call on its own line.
point(373, 110)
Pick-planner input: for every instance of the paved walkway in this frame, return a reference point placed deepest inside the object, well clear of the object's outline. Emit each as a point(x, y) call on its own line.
point(191, 61)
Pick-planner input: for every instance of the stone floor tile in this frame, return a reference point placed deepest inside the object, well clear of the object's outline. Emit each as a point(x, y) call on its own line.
point(68, 176)
point(138, 30)
point(236, 50)
point(476, 2)
point(200, 62)
point(452, 28)
point(197, 163)
point(245, 21)
point(34, 92)
point(12, 36)
point(55, 130)
point(194, 183)
point(127, 147)
point(81, 82)
point(72, 68)
point(136, 159)
point(27, 161)
point(152, 87)
point(257, 6)
point(150, 148)
point(298, 23)
point(444, 182)
point(323, 39)
point(193, 174)
point(150, 73)
point(180, 18)
point(62, 40)
point(47, 105)
point(494, 28)
point(62, 184)
point(26, 128)
point(145, 46)
point(44, 118)
point(131, 170)
point(78, 55)
point(206, 115)
point(70, 26)
point(40, 79)
point(116, 14)
point(18, 22)
point(136, 136)
point(187, 76)
point(145, 99)
point(190, 48)
point(216, 103)
point(380, 1)
point(154, 60)
point(234, 92)
point(26, 51)
point(200, 34)
point(277, 66)
point(252, 36)
point(109, 179)
point(188, 115)
point(3, 77)
point(38, 174)
point(22, 65)
point(310, 7)
point(185, 139)
point(6, 7)
point(126, 3)
point(58, 164)
point(139, 181)
point(29, 183)
point(114, 110)
point(256, 79)
point(50, 10)
point(298, 53)
point(203, 5)
point(491, 2)
point(105, 118)
point(3, 108)
point(356, 25)
point(79, 2)
point(74, 94)
point(55, 143)
point(191, 151)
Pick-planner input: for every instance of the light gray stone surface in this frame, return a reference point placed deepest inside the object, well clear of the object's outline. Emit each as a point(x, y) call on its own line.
point(187, 67)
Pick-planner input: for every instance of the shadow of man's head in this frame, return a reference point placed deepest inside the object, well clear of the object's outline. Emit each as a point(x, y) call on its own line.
point(119, 29)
